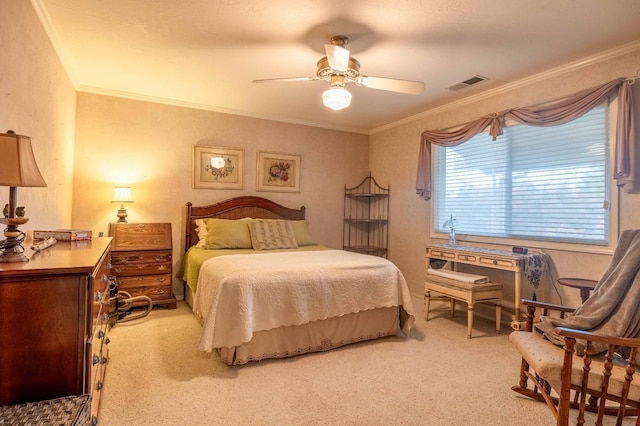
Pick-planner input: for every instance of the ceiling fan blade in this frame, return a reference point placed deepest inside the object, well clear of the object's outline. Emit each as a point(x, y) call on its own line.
point(338, 57)
point(267, 80)
point(390, 84)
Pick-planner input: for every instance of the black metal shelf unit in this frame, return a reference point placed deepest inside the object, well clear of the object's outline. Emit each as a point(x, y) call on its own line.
point(366, 218)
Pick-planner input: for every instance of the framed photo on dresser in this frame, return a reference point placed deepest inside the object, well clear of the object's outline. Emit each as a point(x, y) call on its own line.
point(217, 167)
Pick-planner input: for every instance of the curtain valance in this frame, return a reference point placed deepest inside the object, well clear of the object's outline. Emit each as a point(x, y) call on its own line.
point(549, 114)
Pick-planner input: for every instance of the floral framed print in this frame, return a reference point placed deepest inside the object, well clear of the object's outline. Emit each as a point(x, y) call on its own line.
point(278, 172)
point(217, 167)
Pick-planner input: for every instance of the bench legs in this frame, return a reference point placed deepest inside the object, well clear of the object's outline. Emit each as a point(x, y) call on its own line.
point(470, 305)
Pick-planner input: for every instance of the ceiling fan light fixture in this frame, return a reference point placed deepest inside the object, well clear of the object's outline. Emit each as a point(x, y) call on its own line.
point(336, 98)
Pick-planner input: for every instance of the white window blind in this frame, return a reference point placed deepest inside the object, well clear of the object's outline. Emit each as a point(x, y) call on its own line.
point(538, 183)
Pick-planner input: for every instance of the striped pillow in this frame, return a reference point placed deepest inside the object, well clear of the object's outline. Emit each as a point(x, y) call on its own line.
point(271, 235)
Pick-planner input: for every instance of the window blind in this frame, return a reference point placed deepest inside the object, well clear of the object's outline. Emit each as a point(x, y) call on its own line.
point(540, 183)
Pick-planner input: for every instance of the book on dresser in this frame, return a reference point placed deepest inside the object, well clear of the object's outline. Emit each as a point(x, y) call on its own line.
point(141, 259)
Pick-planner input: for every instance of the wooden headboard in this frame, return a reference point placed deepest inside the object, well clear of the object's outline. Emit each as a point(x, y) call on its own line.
point(237, 208)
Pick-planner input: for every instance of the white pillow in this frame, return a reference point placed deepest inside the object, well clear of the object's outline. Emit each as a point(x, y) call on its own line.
point(201, 229)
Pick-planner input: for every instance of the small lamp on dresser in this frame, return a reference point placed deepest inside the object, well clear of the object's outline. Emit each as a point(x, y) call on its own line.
point(122, 195)
point(18, 167)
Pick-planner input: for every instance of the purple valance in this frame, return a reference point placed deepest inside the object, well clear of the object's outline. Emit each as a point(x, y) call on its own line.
point(549, 114)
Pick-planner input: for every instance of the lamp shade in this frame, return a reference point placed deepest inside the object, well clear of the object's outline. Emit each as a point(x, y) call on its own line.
point(122, 194)
point(336, 98)
point(18, 166)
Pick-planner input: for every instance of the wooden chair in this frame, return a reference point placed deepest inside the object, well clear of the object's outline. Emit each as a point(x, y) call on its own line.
point(602, 384)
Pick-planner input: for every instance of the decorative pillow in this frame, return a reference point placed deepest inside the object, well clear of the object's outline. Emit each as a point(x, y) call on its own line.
point(227, 234)
point(301, 231)
point(273, 234)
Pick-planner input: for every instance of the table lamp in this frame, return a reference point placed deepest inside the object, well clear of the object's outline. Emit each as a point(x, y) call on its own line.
point(18, 167)
point(122, 195)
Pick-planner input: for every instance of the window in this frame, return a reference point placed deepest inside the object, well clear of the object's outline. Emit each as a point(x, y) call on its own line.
point(536, 183)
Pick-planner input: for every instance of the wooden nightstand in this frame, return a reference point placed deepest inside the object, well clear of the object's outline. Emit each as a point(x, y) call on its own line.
point(141, 259)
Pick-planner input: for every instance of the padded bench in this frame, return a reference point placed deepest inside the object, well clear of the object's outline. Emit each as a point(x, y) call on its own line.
point(470, 293)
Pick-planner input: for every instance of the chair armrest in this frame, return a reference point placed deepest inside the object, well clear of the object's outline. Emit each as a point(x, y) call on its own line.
point(532, 305)
point(600, 338)
point(547, 306)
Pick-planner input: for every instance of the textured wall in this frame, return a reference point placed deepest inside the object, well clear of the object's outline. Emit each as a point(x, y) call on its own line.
point(393, 159)
point(148, 146)
point(37, 99)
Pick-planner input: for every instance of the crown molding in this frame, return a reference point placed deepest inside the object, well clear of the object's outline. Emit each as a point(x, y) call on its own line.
point(206, 107)
point(554, 72)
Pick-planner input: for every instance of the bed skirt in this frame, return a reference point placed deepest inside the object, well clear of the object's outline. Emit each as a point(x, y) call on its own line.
point(315, 336)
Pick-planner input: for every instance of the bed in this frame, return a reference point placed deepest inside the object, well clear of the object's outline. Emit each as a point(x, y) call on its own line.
point(286, 296)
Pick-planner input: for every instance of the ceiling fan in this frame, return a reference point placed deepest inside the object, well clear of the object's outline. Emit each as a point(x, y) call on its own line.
point(339, 68)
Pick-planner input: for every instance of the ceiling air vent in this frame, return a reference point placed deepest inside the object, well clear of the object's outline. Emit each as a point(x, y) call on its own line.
point(468, 82)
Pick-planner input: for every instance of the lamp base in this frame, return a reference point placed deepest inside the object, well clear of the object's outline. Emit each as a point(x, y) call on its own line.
point(122, 215)
point(13, 255)
point(12, 250)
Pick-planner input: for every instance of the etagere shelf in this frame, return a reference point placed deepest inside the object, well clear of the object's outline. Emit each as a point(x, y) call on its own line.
point(366, 218)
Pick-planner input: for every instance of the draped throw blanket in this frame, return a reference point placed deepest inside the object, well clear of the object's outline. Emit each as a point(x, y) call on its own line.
point(238, 295)
point(614, 306)
point(550, 114)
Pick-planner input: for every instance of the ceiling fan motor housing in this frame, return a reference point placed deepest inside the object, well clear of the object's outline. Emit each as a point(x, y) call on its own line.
point(325, 72)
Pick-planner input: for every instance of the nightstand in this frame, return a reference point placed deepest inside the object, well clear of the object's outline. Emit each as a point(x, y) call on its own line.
point(141, 259)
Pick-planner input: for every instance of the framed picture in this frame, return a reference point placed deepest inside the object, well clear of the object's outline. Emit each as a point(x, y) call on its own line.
point(217, 167)
point(278, 172)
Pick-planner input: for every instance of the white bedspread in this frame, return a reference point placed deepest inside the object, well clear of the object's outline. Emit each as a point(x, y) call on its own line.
point(238, 295)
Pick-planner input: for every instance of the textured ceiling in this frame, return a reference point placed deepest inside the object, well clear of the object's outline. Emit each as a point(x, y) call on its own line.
point(205, 53)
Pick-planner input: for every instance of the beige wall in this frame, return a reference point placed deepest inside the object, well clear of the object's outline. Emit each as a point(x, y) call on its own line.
point(37, 100)
point(393, 160)
point(148, 146)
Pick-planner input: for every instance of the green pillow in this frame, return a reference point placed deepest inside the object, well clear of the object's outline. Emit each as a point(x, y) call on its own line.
point(301, 231)
point(227, 234)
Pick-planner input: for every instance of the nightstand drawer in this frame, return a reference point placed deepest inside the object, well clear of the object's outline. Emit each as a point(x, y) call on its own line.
point(126, 283)
point(141, 269)
point(134, 257)
point(156, 293)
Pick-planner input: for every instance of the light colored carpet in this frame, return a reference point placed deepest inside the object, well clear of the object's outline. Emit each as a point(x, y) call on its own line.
point(437, 376)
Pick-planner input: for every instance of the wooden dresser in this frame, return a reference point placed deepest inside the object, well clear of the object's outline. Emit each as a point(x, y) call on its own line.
point(142, 260)
point(54, 323)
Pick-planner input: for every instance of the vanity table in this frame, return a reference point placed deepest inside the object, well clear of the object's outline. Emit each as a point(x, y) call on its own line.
point(487, 258)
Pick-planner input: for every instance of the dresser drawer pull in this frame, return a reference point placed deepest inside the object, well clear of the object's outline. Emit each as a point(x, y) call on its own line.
point(98, 296)
point(104, 278)
point(96, 359)
point(105, 318)
point(104, 360)
point(495, 262)
point(106, 342)
point(99, 385)
point(100, 334)
point(162, 279)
